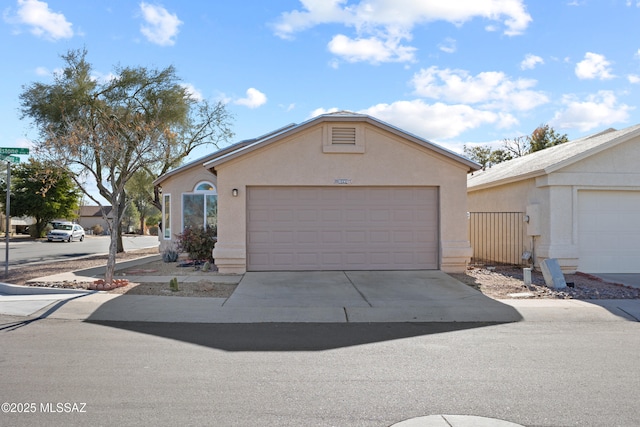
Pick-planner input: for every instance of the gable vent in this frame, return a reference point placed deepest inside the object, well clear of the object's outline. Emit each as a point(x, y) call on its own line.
point(343, 135)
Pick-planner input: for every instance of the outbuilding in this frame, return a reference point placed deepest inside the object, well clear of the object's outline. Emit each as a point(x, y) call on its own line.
point(581, 201)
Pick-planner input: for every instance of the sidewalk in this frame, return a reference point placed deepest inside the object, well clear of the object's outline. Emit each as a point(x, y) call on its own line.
point(314, 297)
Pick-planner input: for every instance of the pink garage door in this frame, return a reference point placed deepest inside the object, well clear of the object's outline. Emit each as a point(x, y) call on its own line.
point(342, 228)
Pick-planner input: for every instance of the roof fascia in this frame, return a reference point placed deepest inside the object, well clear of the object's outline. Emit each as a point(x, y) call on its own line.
point(471, 165)
point(504, 181)
point(592, 151)
point(201, 160)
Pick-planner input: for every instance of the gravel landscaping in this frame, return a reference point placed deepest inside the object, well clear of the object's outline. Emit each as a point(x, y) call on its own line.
point(498, 283)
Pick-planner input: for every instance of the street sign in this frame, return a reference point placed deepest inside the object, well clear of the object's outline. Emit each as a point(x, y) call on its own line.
point(13, 150)
point(11, 159)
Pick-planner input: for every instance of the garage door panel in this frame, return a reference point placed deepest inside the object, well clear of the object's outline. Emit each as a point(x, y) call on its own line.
point(609, 231)
point(332, 228)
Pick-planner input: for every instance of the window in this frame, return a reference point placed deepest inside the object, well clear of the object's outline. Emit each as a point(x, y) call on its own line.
point(166, 216)
point(200, 208)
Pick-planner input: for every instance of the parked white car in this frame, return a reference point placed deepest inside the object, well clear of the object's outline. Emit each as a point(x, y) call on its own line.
point(66, 232)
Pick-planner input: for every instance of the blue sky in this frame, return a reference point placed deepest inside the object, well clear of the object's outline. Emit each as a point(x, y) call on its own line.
point(456, 72)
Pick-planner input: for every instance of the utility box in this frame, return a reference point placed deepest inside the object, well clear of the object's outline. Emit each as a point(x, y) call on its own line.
point(532, 219)
point(553, 276)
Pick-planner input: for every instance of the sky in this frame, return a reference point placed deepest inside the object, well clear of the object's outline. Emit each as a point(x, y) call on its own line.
point(453, 72)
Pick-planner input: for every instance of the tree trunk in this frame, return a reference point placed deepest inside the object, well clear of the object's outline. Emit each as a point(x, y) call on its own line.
point(142, 225)
point(121, 207)
point(113, 246)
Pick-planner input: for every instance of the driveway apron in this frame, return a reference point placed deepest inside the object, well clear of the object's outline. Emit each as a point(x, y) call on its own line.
point(423, 295)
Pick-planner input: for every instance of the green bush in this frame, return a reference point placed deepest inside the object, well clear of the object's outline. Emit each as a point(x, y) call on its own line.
point(170, 255)
point(198, 242)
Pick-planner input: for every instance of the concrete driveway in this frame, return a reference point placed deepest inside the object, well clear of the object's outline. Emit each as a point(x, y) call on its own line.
point(627, 279)
point(421, 296)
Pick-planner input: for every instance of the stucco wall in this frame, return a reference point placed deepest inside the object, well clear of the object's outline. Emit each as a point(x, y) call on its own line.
point(555, 196)
point(299, 160)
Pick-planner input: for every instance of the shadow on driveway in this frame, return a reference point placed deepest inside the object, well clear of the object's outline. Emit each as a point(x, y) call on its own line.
point(312, 311)
point(288, 336)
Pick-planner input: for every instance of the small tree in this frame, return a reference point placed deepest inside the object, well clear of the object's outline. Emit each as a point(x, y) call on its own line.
point(544, 136)
point(140, 119)
point(140, 194)
point(42, 191)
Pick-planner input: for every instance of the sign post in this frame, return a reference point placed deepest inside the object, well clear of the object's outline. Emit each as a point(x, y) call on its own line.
point(8, 225)
point(5, 153)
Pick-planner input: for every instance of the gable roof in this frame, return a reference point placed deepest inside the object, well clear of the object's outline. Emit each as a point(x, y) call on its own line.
point(221, 152)
point(342, 116)
point(550, 159)
point(94, 211)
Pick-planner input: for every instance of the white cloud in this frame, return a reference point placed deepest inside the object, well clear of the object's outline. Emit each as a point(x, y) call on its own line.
point(192, 92)
point(43, 22)
point(320, 111)
point(594, 66)
point(530, 61)
point(160, 26)
point(254, 99)
point(633, 78)
point(437, 121)
point(491, 89)
point(597, 110)
point(43, 71)
point(386, 23)
point(448, 45)
point(372, 49)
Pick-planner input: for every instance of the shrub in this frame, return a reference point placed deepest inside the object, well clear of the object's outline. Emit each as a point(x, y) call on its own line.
point(97, 229)
point(198, 242)
point(170, 255)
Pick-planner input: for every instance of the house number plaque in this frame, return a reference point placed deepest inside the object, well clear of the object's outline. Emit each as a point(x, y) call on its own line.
point(342, 181)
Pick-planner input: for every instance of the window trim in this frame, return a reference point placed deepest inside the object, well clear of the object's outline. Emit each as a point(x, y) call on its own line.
point(166, 216)
point(204, 194)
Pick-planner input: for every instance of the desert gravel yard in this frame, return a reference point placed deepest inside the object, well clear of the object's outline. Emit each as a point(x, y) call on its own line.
point(498, 283)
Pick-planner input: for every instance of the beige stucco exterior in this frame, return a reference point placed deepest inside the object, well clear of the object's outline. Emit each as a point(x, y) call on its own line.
point(550, 195)
point(302, 158)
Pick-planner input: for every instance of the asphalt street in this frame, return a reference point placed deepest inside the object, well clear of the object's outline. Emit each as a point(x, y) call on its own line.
point(271, 374)
point(24, 251)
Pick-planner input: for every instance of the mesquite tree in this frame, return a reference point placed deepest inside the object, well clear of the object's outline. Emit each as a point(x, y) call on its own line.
point(139, 119)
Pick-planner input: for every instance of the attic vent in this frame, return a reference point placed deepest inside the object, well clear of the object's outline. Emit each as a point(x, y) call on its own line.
point(343, 135)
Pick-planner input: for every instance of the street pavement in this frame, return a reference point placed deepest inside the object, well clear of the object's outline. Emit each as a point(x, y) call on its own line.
point(396, 313)
point(531, 373)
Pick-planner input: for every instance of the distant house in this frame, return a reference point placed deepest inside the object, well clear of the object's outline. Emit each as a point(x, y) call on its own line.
point(581, 200)
point(92, 215)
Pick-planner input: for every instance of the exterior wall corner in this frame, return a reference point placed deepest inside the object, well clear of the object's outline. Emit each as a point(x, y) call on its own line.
point(455, 256)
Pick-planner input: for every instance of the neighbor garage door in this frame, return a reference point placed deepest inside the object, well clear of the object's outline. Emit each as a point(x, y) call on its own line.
point(342, 228)
point(609, 231)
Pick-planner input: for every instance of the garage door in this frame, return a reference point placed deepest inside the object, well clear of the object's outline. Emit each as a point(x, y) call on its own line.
point(342, 228)
point(609, 231)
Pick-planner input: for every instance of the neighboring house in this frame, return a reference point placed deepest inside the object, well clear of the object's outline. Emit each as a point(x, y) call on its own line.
point(342, 191)
point(581, 199)
point(92, 215)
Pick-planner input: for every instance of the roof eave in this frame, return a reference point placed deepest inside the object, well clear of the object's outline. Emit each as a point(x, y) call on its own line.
point(471, 165)
point(508, 180)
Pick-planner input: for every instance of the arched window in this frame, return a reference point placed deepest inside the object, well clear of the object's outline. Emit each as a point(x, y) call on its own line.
point(200, 208)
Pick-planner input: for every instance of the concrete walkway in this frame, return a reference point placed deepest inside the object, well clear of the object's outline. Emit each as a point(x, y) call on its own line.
point(336, 297)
